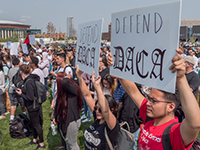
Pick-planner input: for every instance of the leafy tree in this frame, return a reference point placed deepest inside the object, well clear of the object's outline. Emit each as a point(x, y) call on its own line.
point(50, 28)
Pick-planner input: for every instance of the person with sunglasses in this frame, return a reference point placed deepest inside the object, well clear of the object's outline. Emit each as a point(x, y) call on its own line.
point(104, 111)
point(160, 106)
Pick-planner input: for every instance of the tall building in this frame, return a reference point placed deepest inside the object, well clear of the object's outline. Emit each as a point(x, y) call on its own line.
point(70, 26)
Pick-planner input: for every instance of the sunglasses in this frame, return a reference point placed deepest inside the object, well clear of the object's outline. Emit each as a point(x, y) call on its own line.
point(96, 108)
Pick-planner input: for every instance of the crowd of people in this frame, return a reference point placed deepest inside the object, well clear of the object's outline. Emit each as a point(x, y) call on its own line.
point(110, 100)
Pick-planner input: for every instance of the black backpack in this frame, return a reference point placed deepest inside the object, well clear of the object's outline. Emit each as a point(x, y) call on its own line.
point(40, 92)
point(17, 80)
point(73, 71)
point(21, 127)
point(167, 143)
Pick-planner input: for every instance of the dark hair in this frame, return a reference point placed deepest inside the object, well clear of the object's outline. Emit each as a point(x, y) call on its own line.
point(174, 98)
point(34, 60)
point(62, 55)
point(15, 61)
point(54, 63)
point(104, 60)
point(114, 107)
point(20, 52)
point(25, 69)
point(1, 65)
point(61, 97)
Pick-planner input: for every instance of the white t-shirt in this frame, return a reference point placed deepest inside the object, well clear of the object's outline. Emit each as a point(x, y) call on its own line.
point(68, 70)
point(40, 73)
point(49, 57)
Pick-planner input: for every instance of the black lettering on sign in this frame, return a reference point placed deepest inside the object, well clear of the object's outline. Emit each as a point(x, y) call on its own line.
point(158, 61)
point(83, 55)
point(119, 58)
point(87, 57)
point(139, 58)
point(92, 56)
point(79, 56)
point(117, 26)
point(145, 23)
point(124, 25)
point(129, 56)
point(138, 23)
point(156, 15)
point(131, 23)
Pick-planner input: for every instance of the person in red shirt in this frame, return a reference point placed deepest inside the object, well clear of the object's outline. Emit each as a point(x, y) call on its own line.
point(160, 106)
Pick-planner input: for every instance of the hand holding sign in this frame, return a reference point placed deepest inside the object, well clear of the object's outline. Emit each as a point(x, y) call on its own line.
point(32, 39)
point(178, 64)
point(88, 46)
point(151, 34)
point(14, 48)
point(25, 48)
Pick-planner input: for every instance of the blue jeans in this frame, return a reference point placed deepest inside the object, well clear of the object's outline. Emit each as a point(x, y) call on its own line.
point(46, 85)
point(136, 133)
point(86, 109)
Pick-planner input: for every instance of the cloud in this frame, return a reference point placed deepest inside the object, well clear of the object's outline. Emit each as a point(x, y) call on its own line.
point(24, 18)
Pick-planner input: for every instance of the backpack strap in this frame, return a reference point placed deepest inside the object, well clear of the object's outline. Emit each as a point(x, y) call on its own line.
point(166, 137)
point(108, 140)
point(65, 68)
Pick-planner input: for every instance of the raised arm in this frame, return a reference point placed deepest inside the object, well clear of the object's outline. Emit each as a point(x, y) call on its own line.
point(85, 91)
point(129, 87)
point(191, 124)
point(105, 109)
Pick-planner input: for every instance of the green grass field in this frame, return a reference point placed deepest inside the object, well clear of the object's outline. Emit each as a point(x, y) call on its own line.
point(50, 141)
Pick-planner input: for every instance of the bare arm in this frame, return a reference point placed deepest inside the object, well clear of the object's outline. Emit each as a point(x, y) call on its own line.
point(85, 91)
point(132, 91)
point(191, 124)
point(129, 87)
point(106, 112)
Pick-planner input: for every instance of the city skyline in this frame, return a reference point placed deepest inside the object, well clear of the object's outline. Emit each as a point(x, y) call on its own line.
point(38, 13)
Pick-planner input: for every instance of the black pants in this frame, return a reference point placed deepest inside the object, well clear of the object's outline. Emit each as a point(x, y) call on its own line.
point(36, 119)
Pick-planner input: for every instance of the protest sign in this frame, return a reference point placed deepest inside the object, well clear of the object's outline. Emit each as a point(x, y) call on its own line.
point(55, 46)
point(25, 48)
point(32, 39)
point(14, 48)
point(41, 42)
point(88, 46)
point(144, 42)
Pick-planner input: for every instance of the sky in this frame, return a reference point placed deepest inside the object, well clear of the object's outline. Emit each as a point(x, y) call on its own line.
point(38, 13)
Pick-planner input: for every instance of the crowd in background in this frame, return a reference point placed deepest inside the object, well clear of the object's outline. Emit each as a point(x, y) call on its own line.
point(108, 99)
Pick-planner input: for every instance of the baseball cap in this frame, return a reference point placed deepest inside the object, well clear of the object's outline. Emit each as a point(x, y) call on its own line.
point(189, 59)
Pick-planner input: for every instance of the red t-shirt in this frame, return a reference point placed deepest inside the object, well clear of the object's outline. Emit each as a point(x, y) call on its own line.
point(151, 136)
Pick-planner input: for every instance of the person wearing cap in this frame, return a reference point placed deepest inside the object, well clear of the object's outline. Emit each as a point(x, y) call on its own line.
point(191, 76)
point(192, 52)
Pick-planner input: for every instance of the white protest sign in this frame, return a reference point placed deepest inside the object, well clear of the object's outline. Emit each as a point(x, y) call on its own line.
point(25, 48)
point(88, 46)
point(14, 48)
point(41, 42)
point(32, 39)
point(144, 42)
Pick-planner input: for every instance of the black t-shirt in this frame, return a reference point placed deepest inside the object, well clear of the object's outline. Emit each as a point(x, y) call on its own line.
point(193, 81)
point(95, 137)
